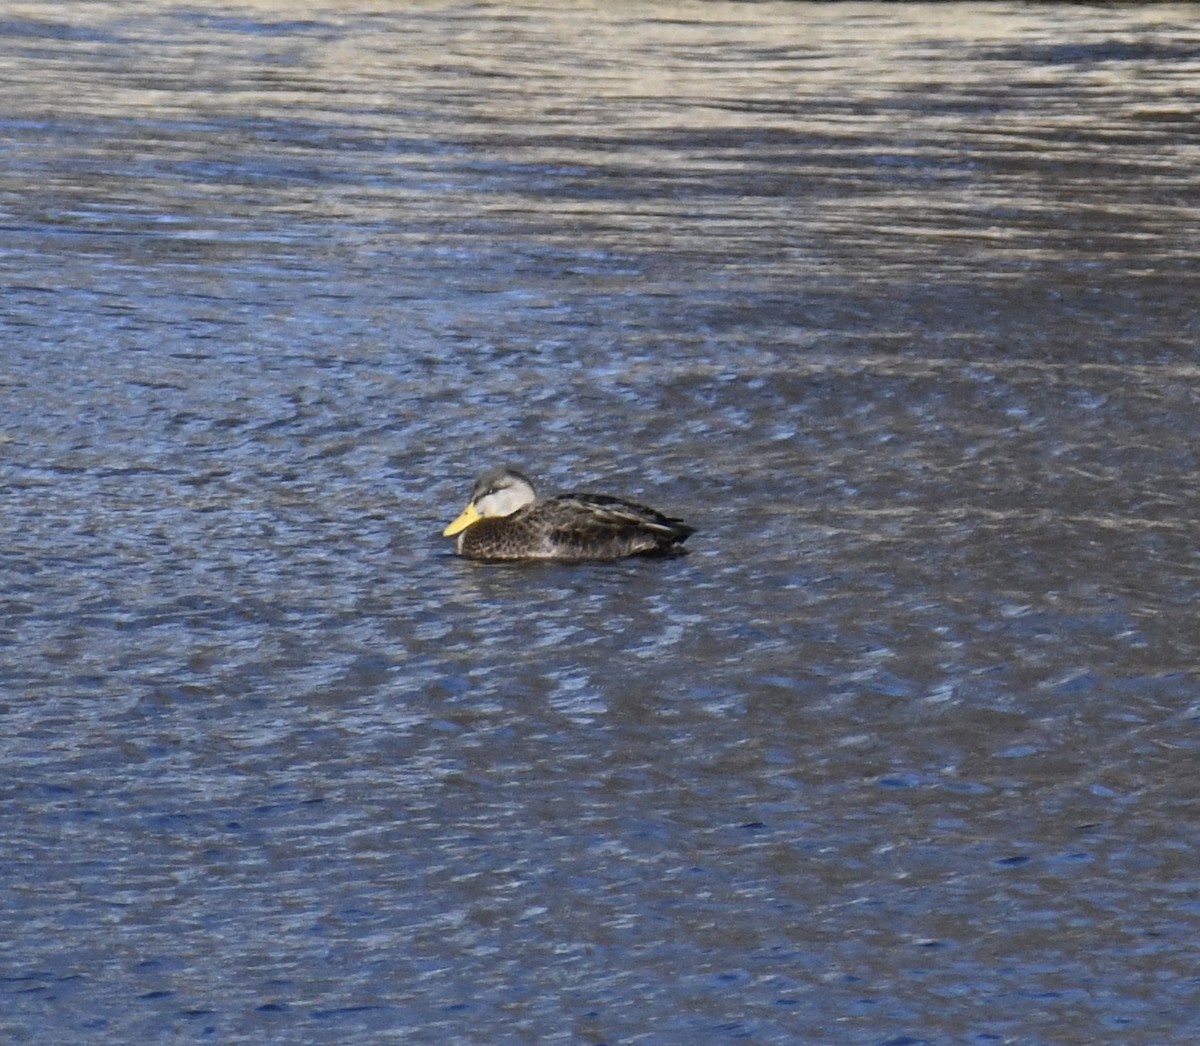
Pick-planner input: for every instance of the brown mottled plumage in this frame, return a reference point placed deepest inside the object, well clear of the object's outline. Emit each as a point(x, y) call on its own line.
point(505, 520)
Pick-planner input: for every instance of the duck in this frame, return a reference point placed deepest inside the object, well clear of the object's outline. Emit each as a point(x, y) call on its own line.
point(506, 520)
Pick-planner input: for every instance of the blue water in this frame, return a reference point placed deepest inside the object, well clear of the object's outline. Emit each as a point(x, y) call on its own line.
point(894, 303)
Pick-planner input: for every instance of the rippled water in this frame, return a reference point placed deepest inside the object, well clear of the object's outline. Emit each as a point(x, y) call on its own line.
point(895, 303)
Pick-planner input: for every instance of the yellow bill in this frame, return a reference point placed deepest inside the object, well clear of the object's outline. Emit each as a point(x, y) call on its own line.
point(469, 515)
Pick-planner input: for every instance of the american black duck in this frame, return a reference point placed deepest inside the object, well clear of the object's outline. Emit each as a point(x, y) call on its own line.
point(505, 520)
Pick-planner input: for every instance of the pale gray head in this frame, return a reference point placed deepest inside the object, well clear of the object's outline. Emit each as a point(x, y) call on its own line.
point(500, 492)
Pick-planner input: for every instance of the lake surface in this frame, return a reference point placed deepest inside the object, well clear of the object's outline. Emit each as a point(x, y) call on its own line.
point(896, 304)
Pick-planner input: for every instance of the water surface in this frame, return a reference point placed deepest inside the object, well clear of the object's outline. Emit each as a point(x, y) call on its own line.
point(895, 303)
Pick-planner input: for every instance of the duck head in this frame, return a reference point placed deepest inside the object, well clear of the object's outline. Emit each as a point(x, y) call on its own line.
point(498, 492)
